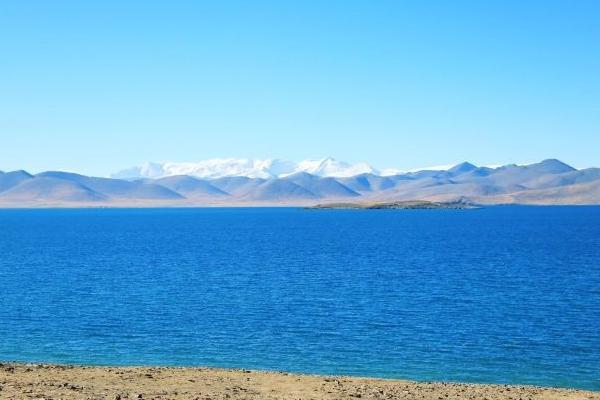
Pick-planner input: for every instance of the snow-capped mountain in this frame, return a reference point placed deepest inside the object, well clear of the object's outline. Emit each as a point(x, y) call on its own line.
point(330, 167)
point(225, 167)
point(242, 182)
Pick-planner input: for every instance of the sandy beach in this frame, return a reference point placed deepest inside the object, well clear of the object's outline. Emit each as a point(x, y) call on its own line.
point(33, 381)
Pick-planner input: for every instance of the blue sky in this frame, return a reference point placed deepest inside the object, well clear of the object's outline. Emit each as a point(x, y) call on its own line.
point(97, 86)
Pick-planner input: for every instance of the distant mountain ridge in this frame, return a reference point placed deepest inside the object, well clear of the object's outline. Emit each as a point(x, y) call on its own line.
point(548, 182)
point(267, 168)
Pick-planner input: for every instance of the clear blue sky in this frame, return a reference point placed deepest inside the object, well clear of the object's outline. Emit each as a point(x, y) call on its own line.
point(97, 86)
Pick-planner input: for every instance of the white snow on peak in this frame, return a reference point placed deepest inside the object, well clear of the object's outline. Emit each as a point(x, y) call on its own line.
point(332, 167)
point(252, 168)
point(221, 167)
point(390, 172)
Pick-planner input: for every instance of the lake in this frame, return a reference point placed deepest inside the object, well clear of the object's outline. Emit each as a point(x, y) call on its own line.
point(499, 294)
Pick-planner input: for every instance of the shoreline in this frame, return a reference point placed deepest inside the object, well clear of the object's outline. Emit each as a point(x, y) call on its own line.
point(305, 206)
point(58, 381)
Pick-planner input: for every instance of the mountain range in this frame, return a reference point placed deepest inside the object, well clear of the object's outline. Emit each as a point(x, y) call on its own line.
point(273, 182)
point(257, 168)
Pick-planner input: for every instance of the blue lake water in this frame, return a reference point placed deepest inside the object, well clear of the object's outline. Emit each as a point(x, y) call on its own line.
point(502, 294)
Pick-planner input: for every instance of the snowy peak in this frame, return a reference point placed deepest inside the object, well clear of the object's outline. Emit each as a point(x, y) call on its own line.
point(222, 167)
point(330, 167)
point(211, 169)
point(257, 168)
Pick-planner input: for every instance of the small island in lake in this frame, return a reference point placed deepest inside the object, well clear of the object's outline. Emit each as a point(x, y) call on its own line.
point(399, 205)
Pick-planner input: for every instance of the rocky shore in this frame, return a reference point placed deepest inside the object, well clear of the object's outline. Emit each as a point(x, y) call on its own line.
point(53, 382)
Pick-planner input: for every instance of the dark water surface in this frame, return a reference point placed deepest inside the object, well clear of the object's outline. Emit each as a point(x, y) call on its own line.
point(503, 294)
